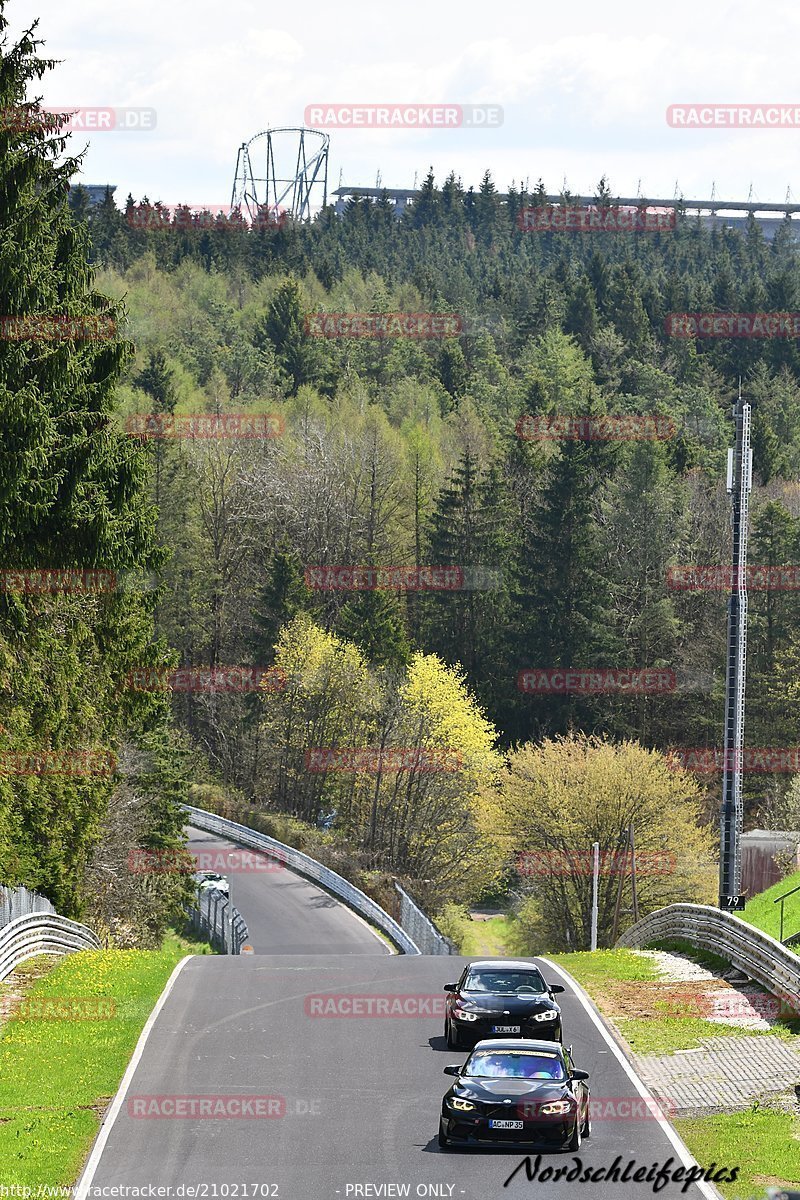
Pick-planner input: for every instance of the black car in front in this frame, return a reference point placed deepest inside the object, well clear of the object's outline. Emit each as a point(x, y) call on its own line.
point(501, 998)
point(520, 1092)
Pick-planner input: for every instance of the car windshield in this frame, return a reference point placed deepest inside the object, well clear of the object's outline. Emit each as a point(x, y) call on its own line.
point(504, 983)
point(514, 1064)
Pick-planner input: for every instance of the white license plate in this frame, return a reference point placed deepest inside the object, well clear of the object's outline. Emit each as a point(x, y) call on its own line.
point(505, 1029)
point(505, 1124)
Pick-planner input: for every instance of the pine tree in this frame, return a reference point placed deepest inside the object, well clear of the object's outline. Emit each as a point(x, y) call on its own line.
point(283, 327)
point(563, 588)
point(471, 530)
point(374, 622)
point(72, 495)
point(155, 379)
point(282, 597)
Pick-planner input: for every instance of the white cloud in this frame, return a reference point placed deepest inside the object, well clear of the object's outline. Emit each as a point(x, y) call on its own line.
point(582, 95)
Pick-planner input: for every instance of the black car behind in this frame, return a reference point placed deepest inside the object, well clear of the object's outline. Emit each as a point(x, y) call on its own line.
point(501, 998)
point(518, 1092)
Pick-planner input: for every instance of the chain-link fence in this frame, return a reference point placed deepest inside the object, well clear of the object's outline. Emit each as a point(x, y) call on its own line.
point(421, 928)
point(19, 902)
point(211, 918)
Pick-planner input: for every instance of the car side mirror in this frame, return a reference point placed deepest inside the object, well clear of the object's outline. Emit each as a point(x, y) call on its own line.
point(580, 1074)
point(450, 987)
point(457, 1071)
point(555, 988)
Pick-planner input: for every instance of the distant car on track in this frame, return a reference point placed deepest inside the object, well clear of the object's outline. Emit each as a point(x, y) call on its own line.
point(501, 998)
point(212, 879)
point(518, 1092)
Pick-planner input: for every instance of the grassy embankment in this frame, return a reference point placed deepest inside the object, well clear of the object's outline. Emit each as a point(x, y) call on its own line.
point(63, 1055)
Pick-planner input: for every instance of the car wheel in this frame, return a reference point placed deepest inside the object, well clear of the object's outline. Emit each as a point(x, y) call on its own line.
point(574, 1142)
point(443, 1139)
point(453, 1040)
point(586, 1130)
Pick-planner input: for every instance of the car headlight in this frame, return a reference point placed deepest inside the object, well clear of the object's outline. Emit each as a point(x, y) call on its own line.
point(556, 1106)
point(463, 1015)
point(549, 1014)
point(462, 1105)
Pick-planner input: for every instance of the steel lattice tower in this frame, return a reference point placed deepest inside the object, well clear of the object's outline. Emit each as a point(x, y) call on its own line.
point(740, 470)
point(270, 192)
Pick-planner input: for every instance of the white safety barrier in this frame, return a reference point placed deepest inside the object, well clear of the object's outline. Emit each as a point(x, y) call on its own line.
point(756, 954)
point(295, 860)
point(41, 933)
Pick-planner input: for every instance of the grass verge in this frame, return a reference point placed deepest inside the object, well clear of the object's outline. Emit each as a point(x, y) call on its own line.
point(762, 911)
point(59, 1072)
point(762, 1142)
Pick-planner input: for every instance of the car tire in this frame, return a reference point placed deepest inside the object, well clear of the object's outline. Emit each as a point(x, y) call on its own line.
point(443, 1139)
point(574, 1142)
point(586, 1129)
point(453, 1040)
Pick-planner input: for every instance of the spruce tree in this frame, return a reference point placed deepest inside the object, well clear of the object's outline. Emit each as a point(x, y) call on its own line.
point(374, 621)
point(72, 496)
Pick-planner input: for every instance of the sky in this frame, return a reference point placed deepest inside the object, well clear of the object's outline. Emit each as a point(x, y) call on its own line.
point(584, 90)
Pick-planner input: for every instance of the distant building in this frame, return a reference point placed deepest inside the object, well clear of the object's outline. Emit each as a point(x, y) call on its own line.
point(97, 191)
point(759, 847)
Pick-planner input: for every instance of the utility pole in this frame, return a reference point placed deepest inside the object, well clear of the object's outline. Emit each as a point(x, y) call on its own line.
point(634, 888)
point(740, 471)
point(620, 883)
point(595, 885)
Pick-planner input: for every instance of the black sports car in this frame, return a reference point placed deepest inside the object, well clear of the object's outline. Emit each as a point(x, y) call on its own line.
point(501, 998)
point(516, 1092)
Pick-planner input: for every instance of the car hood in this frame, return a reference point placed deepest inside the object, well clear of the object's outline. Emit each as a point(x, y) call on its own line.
point(499, 1089)
point(514, 1006)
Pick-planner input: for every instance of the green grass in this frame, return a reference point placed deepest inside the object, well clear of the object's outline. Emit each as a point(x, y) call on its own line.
point(656, 1035)
point(765, 915)
point(58, 1075)
point(762, 1142)
point(605, 966)
point(490, 938)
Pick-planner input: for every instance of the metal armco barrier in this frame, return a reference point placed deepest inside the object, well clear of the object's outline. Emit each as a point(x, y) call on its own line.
point(756, 954)
point(296, 861)
point(209, 918)
point(19, 902)
point(41, 933)
point(421, 928)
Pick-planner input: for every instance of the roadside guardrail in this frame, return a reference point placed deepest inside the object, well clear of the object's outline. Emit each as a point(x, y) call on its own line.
point(41, 933)
point(752, 951)
point(309, 868)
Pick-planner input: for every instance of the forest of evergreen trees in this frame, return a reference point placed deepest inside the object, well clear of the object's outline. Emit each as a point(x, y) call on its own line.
point(384, 452)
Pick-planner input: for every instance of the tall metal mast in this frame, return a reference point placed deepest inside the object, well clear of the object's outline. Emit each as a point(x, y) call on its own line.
point(740, 471)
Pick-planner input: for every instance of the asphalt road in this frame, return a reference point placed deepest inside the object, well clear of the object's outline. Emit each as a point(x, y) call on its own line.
point(359, 1096)
point(284, 913)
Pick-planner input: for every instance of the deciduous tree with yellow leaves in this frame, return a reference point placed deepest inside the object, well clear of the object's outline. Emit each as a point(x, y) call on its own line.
point(556, 799)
